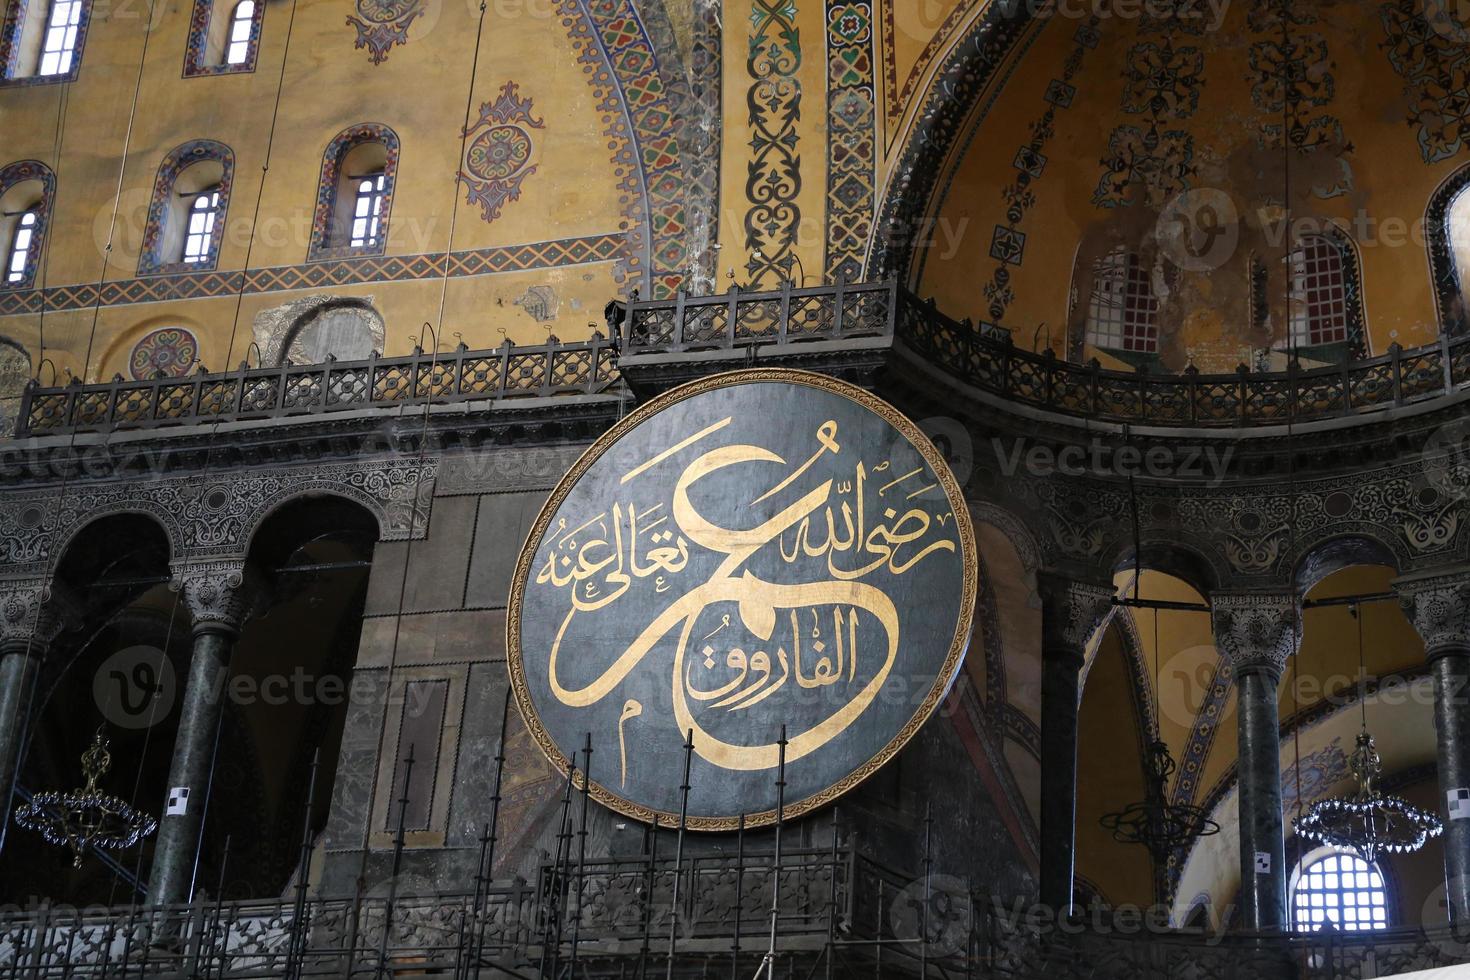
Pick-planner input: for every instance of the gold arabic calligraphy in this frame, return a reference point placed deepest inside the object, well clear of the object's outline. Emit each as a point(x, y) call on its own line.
point(857, 534)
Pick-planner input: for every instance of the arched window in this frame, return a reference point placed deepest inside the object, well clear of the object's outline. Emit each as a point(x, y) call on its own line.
point(26, 191)
point(41, 40)
point(1122, 311)
point(1318, 307)
point(355, 193)
point(224, 37)
point(1338, 890)
point(1448, 221)
point(187, 212)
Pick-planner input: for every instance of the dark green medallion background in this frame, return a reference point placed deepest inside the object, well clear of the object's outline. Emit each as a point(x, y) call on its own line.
point(820, 574)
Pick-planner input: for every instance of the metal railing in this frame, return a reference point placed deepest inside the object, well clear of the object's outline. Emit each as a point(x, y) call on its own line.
point(504, 372)
point(841, 915)
point(685, 325)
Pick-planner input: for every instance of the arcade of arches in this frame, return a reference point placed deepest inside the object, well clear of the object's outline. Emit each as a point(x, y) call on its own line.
point(307, 305)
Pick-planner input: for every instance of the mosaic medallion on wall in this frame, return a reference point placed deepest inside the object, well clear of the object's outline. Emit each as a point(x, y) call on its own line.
point(383, 23)
point(797, 595)
point(170, 351)
point(498, 150)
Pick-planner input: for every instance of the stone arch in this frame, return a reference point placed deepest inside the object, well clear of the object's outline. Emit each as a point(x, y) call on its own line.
point(1319, 559)
point(282, 332)
point(140, 507)
point(309, 489)
point(1184, 555)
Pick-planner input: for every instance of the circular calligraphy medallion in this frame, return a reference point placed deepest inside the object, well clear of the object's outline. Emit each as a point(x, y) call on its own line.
point(755, 550)
point(499, 152)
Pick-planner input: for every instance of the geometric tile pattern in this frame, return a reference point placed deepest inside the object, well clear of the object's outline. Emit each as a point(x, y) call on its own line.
point(16, 173)
point(851, 138)
point(774, 182)
point(164, 206)
point(315, 275)
point(643, 130)
point(196, 49)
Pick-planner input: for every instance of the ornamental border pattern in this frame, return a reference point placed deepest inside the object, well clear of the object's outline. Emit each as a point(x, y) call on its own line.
point(197, 47)
point(17, 173)
point(616, 52)
point(316, 275)
point(773, 171)
point(852, 139)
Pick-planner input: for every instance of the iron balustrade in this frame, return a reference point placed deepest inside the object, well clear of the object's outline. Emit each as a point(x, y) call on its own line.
point(988, 359)
point(505, 372)
point(985, 358)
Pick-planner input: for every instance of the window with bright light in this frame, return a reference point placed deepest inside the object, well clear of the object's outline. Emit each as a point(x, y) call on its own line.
point(1123, 312)
point(20, 247)
point(59, 46)
point(1340, 891)
point(368, 209)
point(199, 236)
point(1319, 292)
point(1457, 227)
point(241, 26)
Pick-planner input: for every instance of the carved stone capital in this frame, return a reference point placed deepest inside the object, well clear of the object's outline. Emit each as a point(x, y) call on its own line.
point(1072, 611)
point(220, 594)
point(33, 611)
point(1439, 607)
point(1256, 631)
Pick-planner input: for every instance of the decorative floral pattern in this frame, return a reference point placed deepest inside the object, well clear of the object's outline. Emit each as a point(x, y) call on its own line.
point(1433, 59)
point(170, 352)
point(1151, 165)
point(498, 152)
point(773, 183)
point(852, 138)
point(383, 23)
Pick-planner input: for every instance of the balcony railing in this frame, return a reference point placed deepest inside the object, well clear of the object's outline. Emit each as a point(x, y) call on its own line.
point(840, 913)
point(989, 360)
point(505, 372)
point(845, 312)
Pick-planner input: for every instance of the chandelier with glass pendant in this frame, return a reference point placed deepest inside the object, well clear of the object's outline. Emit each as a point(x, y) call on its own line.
point(1369, 822)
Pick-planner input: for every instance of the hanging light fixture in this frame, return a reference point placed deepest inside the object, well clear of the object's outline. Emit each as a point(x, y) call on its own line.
point(1154, 822)
point(86, 817)
point(1368, 823)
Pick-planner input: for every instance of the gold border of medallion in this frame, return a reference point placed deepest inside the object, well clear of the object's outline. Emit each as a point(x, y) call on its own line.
point(957, 648)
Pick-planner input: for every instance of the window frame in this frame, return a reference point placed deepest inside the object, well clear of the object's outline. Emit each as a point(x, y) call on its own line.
point(20, 172)
point(210, 214)
point(1301, 877)
point(16, 250)
point(166, 207)
point(1451, 284)
point(1133, 333)
point(332, 221)
point(211, 31)
point(1353, 344)
point(22, 42)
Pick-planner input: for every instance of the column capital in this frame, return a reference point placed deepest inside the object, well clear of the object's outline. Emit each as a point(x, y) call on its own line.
point(1072, 611)
point(220, 593)
point(1438, 605)
point(33, 611)
point(1256, 631)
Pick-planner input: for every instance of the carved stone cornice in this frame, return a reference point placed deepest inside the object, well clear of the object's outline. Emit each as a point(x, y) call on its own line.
point(1438, 605)
point(1072, 611)
point(33, 611)
point(220, 595)
point(1256, 631)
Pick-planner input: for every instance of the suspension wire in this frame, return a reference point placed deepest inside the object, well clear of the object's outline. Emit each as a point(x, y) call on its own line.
point(43, 267)
point(24, 719)
point(423, 448)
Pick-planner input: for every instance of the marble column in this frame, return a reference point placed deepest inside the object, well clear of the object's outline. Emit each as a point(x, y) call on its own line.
point(1257, 633)
point(1072, 612)
point(219, 596)
point(1438, 604)
point(30, 618)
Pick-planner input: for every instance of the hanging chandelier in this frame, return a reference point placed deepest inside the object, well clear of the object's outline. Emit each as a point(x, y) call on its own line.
point(1156, 823)
point(86, 817)
point(1368, 822)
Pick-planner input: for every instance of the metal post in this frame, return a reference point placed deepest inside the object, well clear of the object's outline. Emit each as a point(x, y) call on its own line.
point(770, 960)
point(581, 853)
point(928, 890)
point(489, 856)
point(397, 865)
point(297, 950)
point(551, 934)
point(652, 851)
point(739, 897)
point(219, 904)
point(679, 845)
point(832, 901)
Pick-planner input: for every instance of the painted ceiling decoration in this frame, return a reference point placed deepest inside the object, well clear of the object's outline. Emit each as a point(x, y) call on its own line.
point(1430, 51)
point(381, 24)
point(773, 179)
point(498, 152)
